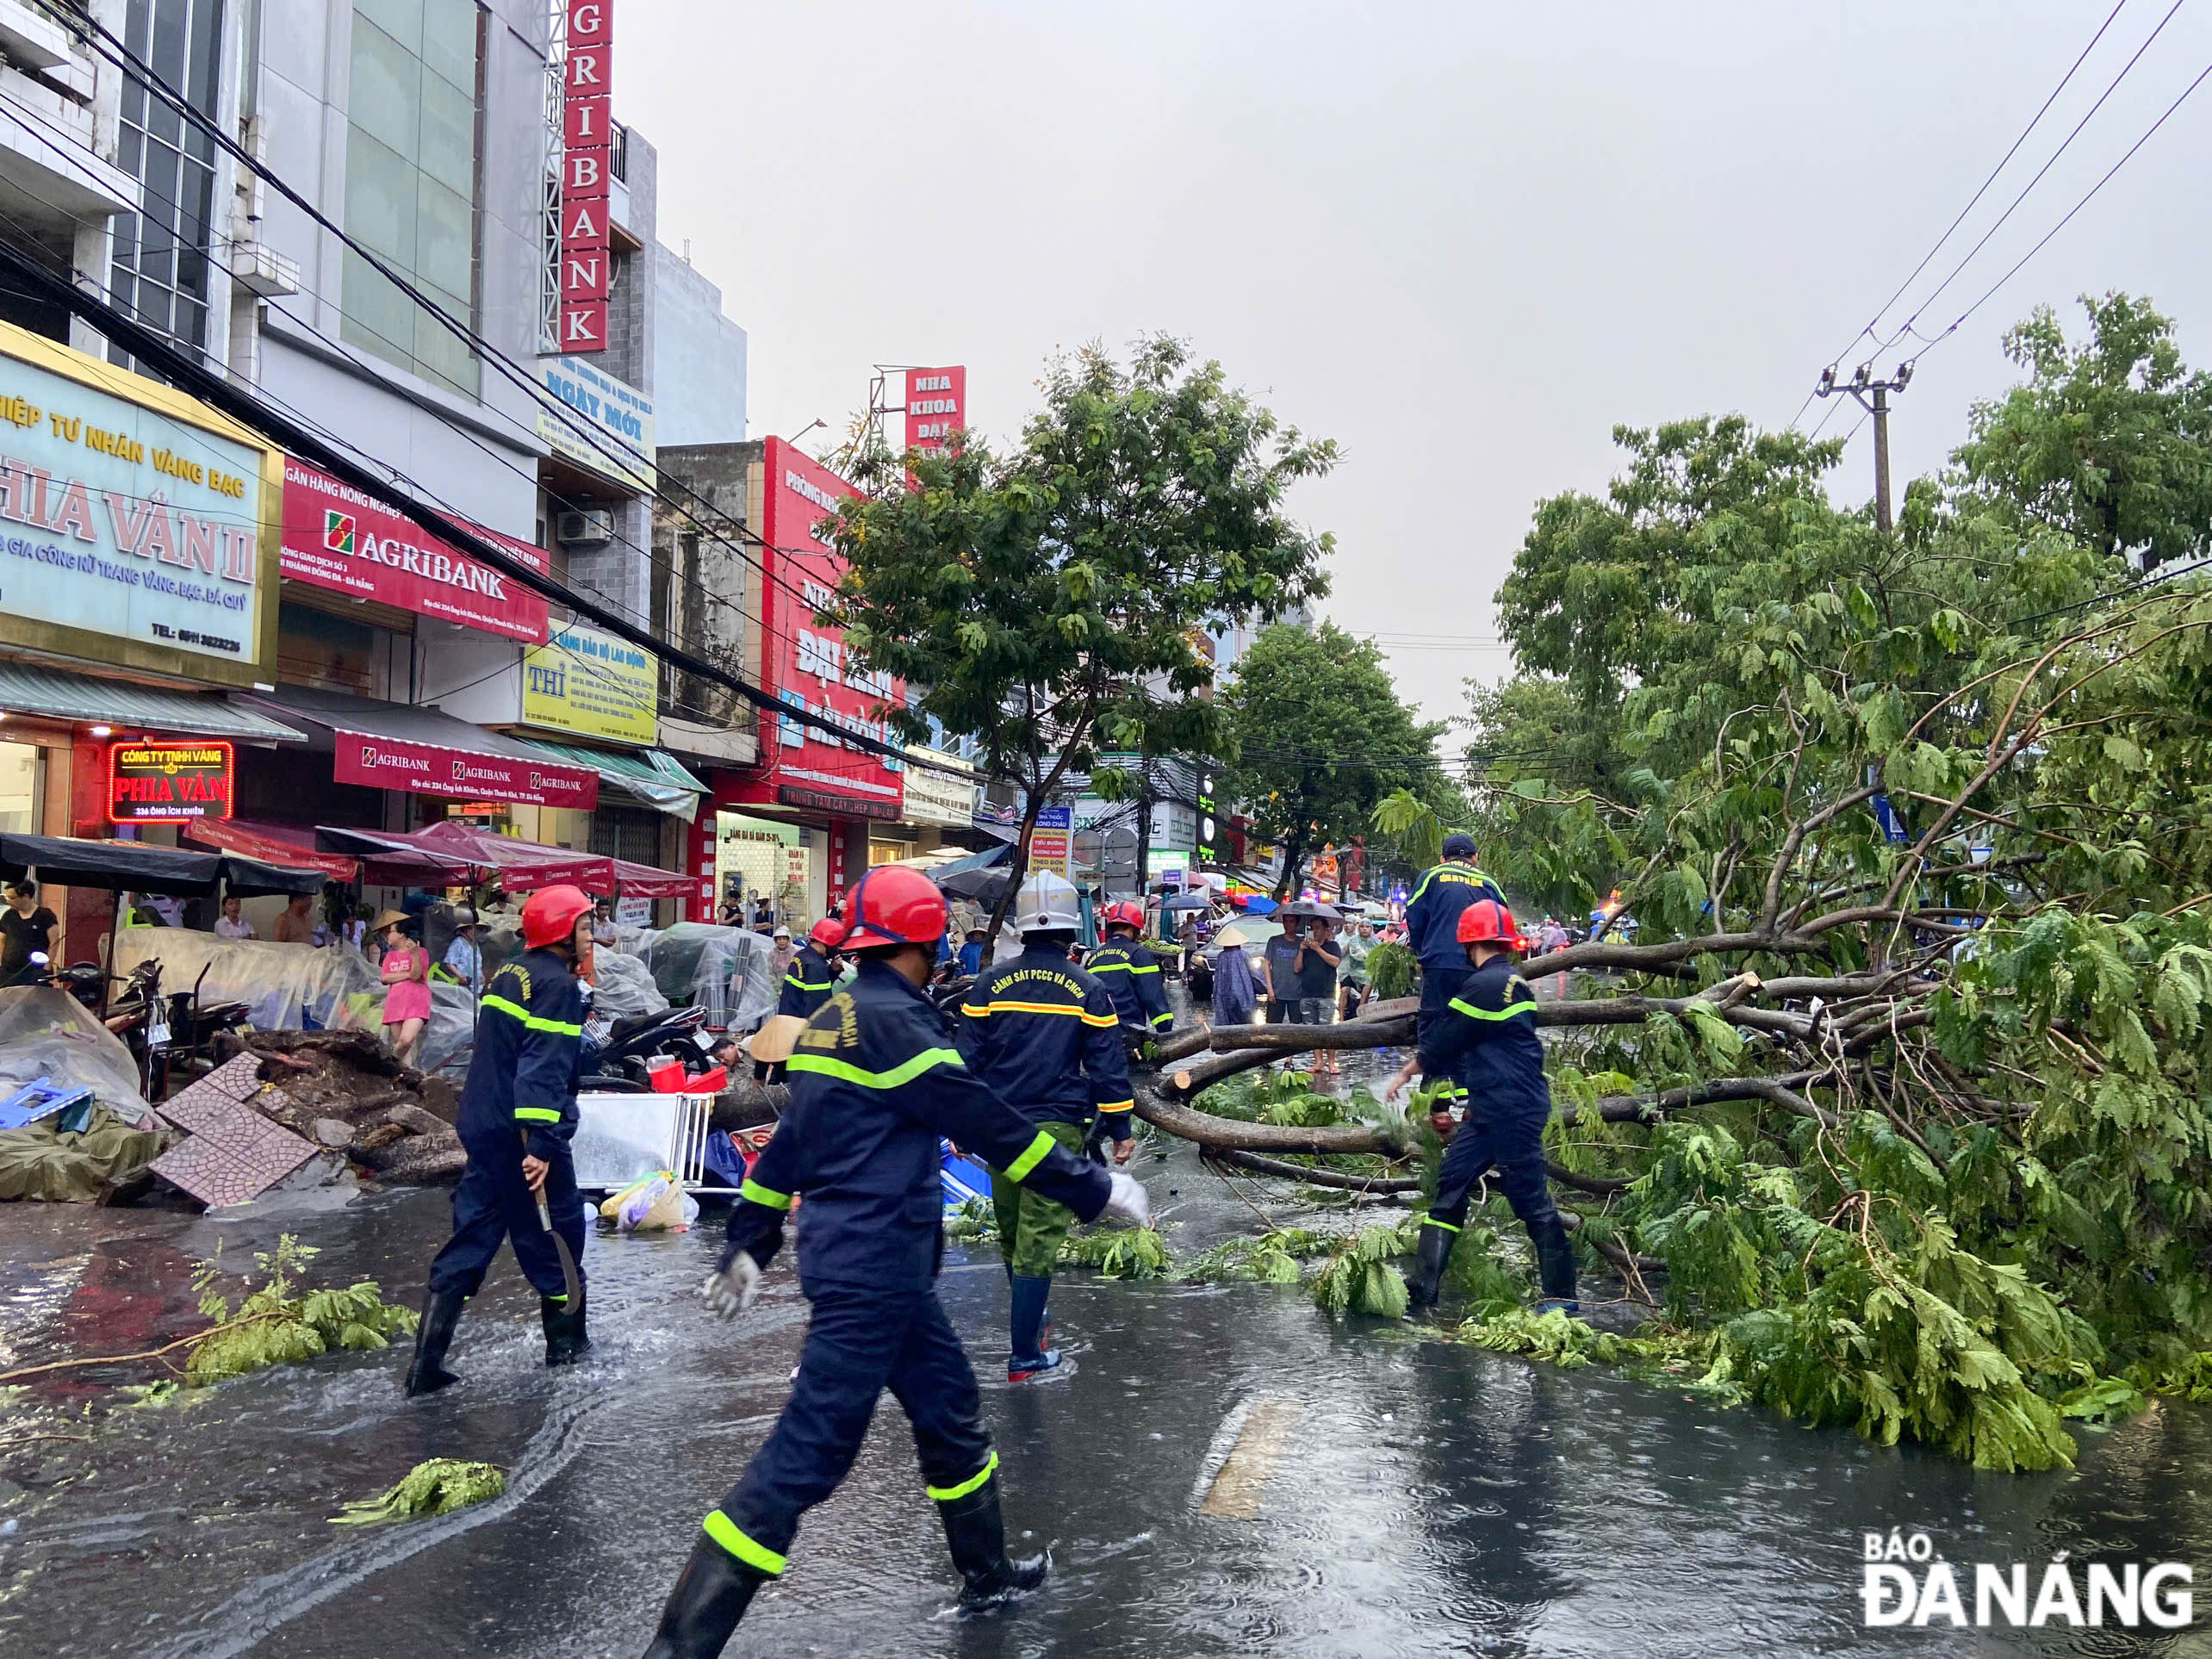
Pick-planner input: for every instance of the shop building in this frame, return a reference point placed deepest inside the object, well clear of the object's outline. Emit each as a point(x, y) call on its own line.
point(139, 536)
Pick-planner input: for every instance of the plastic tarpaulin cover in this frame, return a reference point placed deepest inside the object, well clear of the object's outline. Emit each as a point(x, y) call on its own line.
point(45, 1033)
point(279, 984)
point(721, 970)
point(41, 1163)
point(623, 985)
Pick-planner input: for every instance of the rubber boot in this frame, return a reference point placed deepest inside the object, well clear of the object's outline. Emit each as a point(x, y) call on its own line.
point(976, 1534)
point(1029, 1357)
point(710, 1596)
point(1555, 1267)
point(426, 1372)
point(1428, 1266)
point(565, 1341)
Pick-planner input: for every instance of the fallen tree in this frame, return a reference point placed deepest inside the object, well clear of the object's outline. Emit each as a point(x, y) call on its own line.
point(1904, 1072)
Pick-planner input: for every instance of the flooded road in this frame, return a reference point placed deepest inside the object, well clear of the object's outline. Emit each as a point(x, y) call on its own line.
point(1225, 1472)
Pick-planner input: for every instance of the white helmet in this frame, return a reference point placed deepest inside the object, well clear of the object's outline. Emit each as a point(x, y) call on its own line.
point(1046, 903)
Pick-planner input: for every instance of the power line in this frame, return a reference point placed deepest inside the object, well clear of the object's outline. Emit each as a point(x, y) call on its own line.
point(1991, 290)
point(2043, 109)
point(2063, 146)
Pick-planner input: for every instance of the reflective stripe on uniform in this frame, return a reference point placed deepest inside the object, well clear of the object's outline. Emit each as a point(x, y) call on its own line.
point(765, 1196)
point(1116, 1105)
point(1107, 967)
point(797, 983)
point(1032, 1155)
point(1134, 968)
point(1431, 1220)
point(947, 1493)
point(1166, 1014)
point(724, 1532)
point(1505, 1013)
point(536, 1114)
point(1467, 873)
point(906, 1072)
point(532, 1021)
point(979, 1010)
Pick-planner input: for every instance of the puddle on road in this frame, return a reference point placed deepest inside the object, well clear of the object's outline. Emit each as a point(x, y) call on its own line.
point(1395, 1495)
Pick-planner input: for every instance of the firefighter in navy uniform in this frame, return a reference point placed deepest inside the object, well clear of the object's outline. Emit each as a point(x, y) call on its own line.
point(1043, 1035)
point(1486, 1039)
point(874, 1081)
point(1433, 928)
point(517, 1117)
point(1131, 973)
point(813, 971)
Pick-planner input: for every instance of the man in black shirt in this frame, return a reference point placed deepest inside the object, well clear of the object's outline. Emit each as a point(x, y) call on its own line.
point(26, 927)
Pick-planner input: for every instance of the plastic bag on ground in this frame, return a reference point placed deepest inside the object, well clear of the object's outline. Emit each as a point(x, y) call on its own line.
point(45, 1033)
point(651, 1203)
point(284, 987)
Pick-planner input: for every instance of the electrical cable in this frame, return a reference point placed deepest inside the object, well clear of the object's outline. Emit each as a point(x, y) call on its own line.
point(2064, 81)
point(1990, 291)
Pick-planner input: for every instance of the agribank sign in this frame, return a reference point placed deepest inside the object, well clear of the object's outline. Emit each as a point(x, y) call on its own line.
point(138, 529)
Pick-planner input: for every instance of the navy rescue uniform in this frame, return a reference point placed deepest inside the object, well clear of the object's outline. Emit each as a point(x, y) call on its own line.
point(1132, 976)
point(874, 1081)
point(807, 983)
point(1044, 1035)
point(521, 1089)
point(1433, 931)
point(1485, 1041)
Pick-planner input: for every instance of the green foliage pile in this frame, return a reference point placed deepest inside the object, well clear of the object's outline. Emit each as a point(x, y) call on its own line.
point(1360, 1274)
point(1114, 1252)
point(1390, 969)
point(438, 1487)
point(1906, 1073)
point(272, 1323)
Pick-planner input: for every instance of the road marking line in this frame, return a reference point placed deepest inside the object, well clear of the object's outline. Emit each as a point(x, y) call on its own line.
point(1261, 1441)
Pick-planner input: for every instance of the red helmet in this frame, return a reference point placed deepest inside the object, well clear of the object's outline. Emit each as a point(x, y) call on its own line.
point(1486, 921)
point(1126, 913)
point(550, 915)
point(827, 934)
point(893, 906)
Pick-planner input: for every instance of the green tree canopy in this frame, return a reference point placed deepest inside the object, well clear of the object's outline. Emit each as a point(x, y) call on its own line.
point(2109, 442)
point(1322, 737)
point(1048, 599)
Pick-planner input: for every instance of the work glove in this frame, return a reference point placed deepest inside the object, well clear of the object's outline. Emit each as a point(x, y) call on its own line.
point(1128, 1199)
point(731, 1291)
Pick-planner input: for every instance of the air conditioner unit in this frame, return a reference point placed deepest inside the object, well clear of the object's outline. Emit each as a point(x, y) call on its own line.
point(593, 528)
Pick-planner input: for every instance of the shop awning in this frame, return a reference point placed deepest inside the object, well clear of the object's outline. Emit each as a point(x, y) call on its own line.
point(650, 776)
point(135, 708)
point(273, 844)
point(398, 746)
point(139, 866)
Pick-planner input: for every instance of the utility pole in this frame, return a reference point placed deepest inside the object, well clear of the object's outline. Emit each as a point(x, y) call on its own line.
point(1872, 395)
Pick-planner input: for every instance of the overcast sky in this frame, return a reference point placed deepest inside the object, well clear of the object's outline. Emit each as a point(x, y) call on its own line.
point(1464, 240)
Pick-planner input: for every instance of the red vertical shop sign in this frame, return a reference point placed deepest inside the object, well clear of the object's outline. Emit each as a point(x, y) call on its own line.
point(587, 116)
point(936, 406)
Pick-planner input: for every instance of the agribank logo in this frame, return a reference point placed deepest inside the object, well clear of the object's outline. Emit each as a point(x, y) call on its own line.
point(337, 531)
point(1906, 1583)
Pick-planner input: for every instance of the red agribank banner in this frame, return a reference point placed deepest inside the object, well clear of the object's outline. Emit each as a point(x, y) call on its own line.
point(807, 667)
point(338, 538)
point(587, 115)
point(394, 763)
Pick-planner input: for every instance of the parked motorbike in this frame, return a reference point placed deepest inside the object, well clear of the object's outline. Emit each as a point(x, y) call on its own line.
point(170, 1036)
point(616, 1064)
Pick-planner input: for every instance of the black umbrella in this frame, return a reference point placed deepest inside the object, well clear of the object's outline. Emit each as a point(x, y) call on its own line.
point(143, 867)
point(1313, 908)
point(1188, 901)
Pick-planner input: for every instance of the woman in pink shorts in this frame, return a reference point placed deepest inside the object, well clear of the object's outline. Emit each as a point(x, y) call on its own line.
point(406, 983)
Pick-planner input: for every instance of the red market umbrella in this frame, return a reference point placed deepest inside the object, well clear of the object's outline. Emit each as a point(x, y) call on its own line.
point(272, 844)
